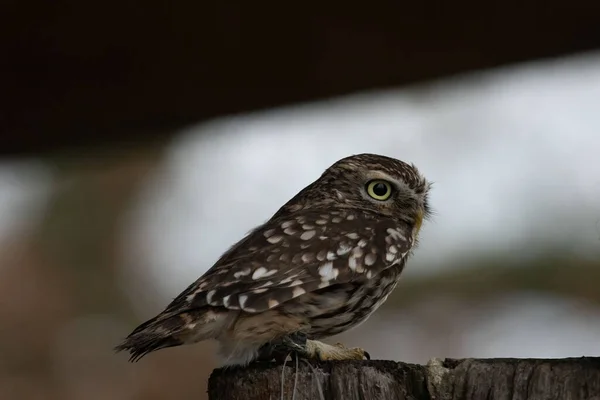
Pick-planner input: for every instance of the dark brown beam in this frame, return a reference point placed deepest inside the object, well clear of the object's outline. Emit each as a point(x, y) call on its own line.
point(89, 72)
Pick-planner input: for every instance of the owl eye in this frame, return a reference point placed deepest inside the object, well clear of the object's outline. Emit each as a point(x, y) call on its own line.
point(379, 190)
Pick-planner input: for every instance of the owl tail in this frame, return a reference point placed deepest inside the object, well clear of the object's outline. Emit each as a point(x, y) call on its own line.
point(169, 331)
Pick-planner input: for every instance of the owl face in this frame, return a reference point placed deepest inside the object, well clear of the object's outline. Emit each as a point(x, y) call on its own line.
point(373, 183)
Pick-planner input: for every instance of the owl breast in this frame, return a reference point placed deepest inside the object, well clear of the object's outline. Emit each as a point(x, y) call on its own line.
point(344, 306)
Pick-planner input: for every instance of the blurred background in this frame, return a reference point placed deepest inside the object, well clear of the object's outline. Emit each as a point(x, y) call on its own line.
point(112, 202)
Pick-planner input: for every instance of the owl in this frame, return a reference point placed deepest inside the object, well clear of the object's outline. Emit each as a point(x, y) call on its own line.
point(321, 265)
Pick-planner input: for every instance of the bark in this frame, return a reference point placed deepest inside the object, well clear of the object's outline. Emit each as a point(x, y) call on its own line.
point(440, 379)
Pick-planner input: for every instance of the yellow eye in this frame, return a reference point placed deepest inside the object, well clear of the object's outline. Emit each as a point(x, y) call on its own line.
point(379, 190)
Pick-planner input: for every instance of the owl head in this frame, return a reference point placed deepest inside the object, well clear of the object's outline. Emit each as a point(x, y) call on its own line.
point(382, 185)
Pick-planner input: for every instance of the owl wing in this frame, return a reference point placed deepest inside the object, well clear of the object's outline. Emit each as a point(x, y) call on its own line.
point(289, 256)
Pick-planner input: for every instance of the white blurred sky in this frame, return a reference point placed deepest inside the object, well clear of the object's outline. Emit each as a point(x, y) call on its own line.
point(514, 154)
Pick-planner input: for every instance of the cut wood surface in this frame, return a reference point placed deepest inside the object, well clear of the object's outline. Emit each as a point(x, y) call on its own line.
point(440, 379)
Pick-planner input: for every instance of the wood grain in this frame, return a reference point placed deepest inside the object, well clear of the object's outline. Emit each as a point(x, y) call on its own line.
point(447, 379)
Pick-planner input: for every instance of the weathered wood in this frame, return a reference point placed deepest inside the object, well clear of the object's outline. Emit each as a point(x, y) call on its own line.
point(448, 379)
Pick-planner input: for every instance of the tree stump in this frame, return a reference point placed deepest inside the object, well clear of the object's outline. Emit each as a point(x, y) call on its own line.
point(440, 379)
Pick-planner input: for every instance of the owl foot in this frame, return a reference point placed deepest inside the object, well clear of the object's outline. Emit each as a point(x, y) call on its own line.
point(326, 352)
point(280, 349)
point(297, 345)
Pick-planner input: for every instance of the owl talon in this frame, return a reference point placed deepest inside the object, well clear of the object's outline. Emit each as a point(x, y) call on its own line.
point(325, 352)
point(297, 345)
point(280, 349)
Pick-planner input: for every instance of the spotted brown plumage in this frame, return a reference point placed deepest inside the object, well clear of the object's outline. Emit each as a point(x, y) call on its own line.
point(320, 266)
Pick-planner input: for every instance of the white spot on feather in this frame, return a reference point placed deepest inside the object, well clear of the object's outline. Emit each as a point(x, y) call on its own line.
point(344, 249)
point(396, 234)
point(275, 239)
point(287, 224)
point(357, 252)
point(389, 256)
point(295, 207)
point(269, 232)
point(352, 262)
point(242, 299)
point(273, 303)
point(352, 235)
point(259, 273)
point(325, 269)
point(308, 257)
point(209, 296)
point(298, 291)
point(370, 259)
point(308, 235)
point(328, 272)
point(331, 256)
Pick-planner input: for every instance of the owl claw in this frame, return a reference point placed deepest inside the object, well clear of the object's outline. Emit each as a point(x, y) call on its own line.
point(280, 349)
point(325, 352)
point(358, 349)
point(297, 345)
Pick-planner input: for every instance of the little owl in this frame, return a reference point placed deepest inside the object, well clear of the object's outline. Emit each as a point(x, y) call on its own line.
point(320, 266)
